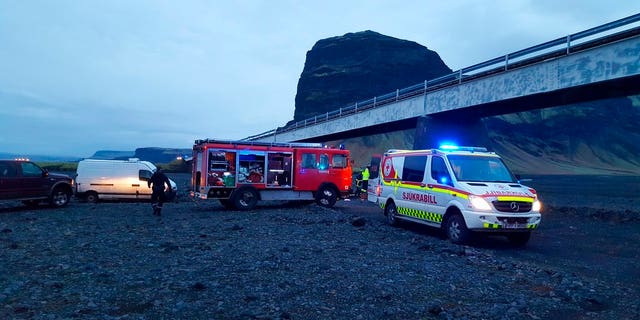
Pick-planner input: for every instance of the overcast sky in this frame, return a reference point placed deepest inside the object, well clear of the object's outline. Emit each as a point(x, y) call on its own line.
point(79, 76)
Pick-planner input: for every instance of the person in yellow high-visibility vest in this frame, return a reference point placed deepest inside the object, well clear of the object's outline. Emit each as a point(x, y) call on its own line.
point(365, 183)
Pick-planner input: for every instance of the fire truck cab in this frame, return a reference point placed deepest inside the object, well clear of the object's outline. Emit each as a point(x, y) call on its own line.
point(239, 173)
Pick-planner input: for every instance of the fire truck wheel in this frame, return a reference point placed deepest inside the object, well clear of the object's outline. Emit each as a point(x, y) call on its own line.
point(391, 211)
point(326, 196)
point(457, 230)
point(245, 199)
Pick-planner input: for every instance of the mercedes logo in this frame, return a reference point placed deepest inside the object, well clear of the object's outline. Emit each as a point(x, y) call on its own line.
point(515, 206)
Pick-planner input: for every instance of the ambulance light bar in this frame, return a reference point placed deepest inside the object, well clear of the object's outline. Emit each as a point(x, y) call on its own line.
point(450, 147)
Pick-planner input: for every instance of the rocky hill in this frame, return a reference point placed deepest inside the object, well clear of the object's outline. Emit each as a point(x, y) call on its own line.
point(599, 137)
point(357, 66)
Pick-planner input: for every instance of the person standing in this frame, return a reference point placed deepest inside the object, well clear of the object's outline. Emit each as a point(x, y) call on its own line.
point(365, 183)
point(157, 184)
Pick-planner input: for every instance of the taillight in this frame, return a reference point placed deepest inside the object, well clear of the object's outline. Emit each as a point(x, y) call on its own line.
point(378, 190)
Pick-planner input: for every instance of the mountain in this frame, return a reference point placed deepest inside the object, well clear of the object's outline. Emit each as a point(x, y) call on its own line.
point(110, 154)
point(151, 154)
point(161, 155)
point(598, 137)
point(339, 71)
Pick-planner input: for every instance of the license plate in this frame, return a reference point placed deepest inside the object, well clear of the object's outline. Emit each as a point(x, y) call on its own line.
point(514, 225)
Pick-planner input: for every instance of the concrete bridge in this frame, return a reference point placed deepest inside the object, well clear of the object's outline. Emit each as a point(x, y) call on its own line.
point(602, 62)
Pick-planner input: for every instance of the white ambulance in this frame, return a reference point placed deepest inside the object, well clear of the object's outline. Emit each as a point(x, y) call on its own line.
point(463, 190)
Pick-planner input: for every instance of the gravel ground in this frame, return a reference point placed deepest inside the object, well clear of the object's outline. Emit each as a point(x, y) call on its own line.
point(280, 261)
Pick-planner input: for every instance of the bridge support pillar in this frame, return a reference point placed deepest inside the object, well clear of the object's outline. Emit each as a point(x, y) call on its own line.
point(432, 131)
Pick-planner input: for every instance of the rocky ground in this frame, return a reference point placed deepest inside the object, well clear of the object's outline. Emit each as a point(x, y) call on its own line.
point(286, 261)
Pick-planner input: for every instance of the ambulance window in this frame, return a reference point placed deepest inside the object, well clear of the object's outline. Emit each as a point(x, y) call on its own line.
point(308, 161)
point(413, 169)
point(324, 162)
point(339, 161)
point(439, 171)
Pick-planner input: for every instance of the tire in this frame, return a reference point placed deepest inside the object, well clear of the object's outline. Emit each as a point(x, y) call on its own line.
point(519, 239)
point(60, 197)
point(456, 230)
point(91, 197)
point(326, 196)
point(391, 211)
point(245, 199)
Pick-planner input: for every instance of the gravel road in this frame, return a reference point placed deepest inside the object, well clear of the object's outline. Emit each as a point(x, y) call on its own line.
point(115, 260)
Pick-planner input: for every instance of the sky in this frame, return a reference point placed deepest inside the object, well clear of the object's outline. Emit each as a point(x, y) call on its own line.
point(81, 76)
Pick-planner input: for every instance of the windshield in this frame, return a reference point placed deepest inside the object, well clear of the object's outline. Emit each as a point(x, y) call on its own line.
point(479, 169)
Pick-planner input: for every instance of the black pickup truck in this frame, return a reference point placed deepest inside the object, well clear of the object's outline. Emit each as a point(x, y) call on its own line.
point(27, 182)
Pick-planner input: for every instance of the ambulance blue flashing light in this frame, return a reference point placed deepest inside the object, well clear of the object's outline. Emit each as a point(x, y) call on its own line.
point(452, 147)
point(448, 147)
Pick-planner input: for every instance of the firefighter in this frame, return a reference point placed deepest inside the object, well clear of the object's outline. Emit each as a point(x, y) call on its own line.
point(158, 196)
point(365, 183)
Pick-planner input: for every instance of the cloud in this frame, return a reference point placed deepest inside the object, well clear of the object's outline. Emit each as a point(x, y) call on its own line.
point(78, 76)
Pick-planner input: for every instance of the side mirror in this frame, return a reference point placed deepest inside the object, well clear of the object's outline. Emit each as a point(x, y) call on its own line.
point(45, 172)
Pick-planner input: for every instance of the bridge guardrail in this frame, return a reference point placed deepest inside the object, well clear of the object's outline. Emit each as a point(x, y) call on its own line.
point(538, 53)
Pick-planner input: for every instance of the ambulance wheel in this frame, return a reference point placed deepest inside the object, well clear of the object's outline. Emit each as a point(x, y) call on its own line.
point(91, 197)
point(519, 239)
point(326, 196)
point(245, 199)
point(456, 230)
point(391, 211)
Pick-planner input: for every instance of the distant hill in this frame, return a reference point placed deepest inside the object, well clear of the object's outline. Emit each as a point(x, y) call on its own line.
point(161, 155)
point(151, 154)
point(110, 154)
point(598, 137)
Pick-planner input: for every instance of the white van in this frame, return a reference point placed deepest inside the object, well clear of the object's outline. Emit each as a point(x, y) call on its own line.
point(116, 179)
point(463, 190)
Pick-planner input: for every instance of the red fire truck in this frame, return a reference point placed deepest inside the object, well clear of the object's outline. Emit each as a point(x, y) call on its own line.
point(239, 173)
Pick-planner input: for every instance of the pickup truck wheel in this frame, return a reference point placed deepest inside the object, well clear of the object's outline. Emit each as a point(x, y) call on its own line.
point(91, 197)
point(326, 196)
point(245, 199)
point(456, 229)
point(60, 197)
point(391, 211)
point(519, 239)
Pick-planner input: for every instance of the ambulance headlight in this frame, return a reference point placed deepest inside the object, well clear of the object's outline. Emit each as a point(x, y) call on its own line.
point(479, 203)
point(537, 206)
